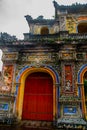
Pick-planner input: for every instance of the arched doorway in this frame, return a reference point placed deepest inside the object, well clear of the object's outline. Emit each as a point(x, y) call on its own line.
point(82, 27)
point(38, 97)
point(20, 88)
point(44, 31)
point(85, 88)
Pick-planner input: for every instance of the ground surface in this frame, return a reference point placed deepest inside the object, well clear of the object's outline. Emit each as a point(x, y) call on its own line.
point(8, 127)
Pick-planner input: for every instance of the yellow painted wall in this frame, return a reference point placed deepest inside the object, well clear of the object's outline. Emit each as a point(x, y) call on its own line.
point(71, 24)
point(37, 29)
point(52, 29)
point(73, 21)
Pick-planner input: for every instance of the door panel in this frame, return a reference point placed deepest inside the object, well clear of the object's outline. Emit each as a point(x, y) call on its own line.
point(38, 97)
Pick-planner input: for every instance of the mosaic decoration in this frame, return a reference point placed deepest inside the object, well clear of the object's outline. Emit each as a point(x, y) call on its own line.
point(47, 67)
point(67, 55)
point(71, 109)
point(62, 53)
point(39, 58)
point(81, 70)
point(4, 107)
point(68, 80)
point(71, 24)
point(35, 57)
point(10, 56)
point(68, 110)
point(79, 56)
point(8, 76)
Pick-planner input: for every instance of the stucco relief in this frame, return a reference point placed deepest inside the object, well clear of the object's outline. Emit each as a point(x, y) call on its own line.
point(3, 86)
point(68, 78)
point(67, 55)
point(7, 77)
point(34, 58)
point(10, 56)
point(71, 24)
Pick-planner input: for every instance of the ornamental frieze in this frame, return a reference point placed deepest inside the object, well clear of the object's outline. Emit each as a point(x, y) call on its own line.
point(10, 56)
point(38, 57)
point(69, 99)
point(67, 55)
point(81, 56)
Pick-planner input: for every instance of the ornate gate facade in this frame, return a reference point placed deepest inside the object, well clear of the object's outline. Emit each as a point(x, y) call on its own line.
point(44, 75)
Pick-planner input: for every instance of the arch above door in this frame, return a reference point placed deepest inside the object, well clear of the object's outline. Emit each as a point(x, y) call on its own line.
point(80, 80)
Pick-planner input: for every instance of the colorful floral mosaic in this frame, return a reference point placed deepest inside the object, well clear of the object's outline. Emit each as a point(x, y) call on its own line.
point(8, 76)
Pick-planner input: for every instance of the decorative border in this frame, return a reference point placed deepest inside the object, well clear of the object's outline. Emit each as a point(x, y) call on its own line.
point(64, 78)
point(4, 106)
point(80, 75)
point(79, 78)
point(70, 110)
point(10, 56)
point(44, 66)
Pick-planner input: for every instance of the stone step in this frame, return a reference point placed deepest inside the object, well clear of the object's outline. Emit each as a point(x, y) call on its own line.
point(28, 123)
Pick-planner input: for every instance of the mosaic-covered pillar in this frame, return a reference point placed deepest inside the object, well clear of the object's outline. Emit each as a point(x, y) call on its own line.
point(7, 88)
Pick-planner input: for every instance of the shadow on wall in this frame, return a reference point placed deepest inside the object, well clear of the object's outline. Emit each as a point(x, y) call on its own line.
point(82, 27)
point(44, 31)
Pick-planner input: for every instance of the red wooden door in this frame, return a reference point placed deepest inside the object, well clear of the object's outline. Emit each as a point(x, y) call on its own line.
point(38, 97)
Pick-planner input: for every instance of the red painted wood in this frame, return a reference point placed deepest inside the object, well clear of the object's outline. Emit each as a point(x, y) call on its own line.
point(38, 97)
point(68, 75)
